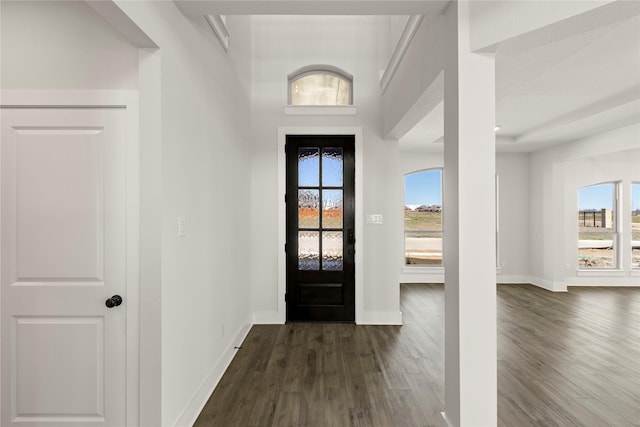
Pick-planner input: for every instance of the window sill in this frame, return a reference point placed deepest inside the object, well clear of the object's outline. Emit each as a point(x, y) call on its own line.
point(320, 110)
point(635, 272)
point(600, 273)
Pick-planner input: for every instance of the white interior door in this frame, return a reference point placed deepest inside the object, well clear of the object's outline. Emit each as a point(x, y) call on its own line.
point(63, 255)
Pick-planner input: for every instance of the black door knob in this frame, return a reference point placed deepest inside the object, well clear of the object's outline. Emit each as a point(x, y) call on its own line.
point(114, 301)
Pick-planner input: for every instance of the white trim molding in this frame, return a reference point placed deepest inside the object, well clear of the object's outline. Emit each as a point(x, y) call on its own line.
point(219, 27)
point(444, 421)
point(267, 318)
point(380, 318)
point(513, 280)
point(422, 274)
point(400, 50)
point(320, 110)
point(548, 285)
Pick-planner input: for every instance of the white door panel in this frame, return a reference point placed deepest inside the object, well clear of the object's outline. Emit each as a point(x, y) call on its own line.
point(63, 254)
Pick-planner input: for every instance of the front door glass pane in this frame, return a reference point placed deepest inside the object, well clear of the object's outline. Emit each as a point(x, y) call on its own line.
point(308, 208)
point(332, 250)
point(332, 167)
point(320, 234)
point(332, 209)
point(308, 250)
point(308, 167)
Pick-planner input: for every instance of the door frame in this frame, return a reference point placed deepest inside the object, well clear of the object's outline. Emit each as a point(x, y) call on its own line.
point(127, 100)
point(283, 131)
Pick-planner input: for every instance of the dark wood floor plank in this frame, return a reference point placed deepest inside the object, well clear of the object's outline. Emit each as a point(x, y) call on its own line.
point(564, 359)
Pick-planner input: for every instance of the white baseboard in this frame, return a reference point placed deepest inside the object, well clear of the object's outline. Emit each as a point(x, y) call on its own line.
point(197, 402)
point(267, 318)
point(422, 275)
point(604, 281)
point(380, 318)
point(444, 421)
point(548, 285)
point(514, 279)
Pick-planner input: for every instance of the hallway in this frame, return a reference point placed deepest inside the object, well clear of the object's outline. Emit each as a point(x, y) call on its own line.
point(564, 359)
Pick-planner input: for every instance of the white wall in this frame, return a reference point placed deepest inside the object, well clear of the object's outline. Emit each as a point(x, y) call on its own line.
point(205, 294)
point(513, 212)
point(63, 45)
point(281, 46)
point(556, 174)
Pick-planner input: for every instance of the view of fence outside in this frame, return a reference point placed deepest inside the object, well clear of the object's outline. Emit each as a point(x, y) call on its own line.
point(597, 227)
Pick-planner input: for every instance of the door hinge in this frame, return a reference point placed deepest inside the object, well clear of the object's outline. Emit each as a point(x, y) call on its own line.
point(286, 297)
point(286, 199)
point(285, 247)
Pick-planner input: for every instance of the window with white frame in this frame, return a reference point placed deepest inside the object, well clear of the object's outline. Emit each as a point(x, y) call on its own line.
point(423, 232)
point(597, 226)
point(635, 225)
point(320, 85)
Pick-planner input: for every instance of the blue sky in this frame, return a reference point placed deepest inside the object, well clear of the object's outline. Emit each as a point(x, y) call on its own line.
point(596, 197)
point(601, 196)
point(423, 188)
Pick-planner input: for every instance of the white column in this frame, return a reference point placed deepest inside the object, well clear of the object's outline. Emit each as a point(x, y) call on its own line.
point(469, 228)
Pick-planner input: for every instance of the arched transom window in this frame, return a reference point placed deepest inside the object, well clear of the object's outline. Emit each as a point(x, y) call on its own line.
point(320, 85)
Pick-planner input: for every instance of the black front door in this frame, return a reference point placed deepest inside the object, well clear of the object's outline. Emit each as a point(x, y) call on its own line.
point(320, 228)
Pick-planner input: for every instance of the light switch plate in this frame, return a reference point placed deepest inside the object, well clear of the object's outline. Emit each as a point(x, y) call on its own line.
point(374, 218)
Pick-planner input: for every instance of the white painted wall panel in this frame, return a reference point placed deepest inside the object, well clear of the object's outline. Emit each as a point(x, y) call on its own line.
point(59, 203)
point(64, 356)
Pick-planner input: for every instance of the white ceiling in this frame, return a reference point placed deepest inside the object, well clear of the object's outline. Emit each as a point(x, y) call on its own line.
point(559, 91)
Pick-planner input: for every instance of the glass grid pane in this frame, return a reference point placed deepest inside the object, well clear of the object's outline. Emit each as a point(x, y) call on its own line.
point(332, 250)
point(423, 218)
point(332, 209)
point(423, 248)
point(332, 167)
point(309, 250)
point(308, 208)
point(308, 167)
point(596, 250)
point(596, 227)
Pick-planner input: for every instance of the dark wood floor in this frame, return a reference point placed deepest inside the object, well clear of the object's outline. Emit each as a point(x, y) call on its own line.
point(564, 359)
